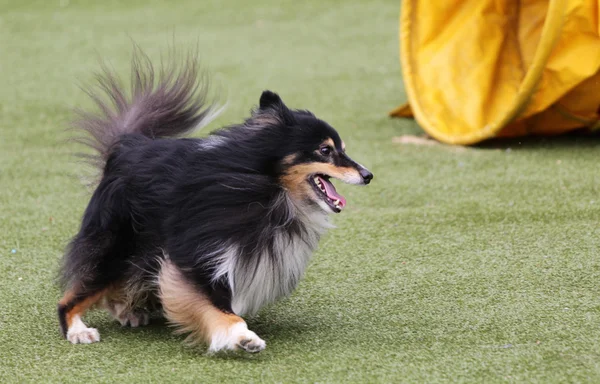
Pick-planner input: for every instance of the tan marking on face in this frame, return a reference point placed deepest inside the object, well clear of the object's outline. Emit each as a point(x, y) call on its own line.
point(190, 309)
point(289, 159)
point(343, 146)
point(329, 142)
point(295, 179)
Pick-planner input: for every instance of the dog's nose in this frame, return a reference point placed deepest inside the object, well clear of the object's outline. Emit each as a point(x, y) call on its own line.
point(366, 175)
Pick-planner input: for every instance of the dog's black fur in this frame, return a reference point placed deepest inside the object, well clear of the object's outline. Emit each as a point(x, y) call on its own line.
point(188, 199)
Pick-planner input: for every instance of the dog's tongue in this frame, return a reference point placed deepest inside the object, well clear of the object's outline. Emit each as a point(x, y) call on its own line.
point(332, 193)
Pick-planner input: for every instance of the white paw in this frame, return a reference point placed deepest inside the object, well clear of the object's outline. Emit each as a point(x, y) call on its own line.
point(252, 343)
point(127, 316)
point(83, 335)
point(134, 319)
point(237, 337)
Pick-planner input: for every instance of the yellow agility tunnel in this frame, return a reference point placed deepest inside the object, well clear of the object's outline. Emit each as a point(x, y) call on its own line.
point(478, 69)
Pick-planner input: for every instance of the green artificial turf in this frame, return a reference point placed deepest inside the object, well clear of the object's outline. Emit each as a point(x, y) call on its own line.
point(461, 265)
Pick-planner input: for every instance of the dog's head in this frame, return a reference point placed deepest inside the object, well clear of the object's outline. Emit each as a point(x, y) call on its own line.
point(311, 155)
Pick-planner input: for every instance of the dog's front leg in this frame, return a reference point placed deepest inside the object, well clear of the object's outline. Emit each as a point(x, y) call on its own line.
point(192, 311)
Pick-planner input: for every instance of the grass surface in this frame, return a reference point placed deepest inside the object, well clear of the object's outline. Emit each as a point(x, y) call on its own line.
point(471, 265)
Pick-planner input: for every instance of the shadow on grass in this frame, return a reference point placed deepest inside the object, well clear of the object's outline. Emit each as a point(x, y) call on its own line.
point(273, 327)
point(284, 328)
point(576, 139)
point(158, 329)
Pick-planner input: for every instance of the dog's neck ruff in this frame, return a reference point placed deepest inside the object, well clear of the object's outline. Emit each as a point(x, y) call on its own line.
point(275, 270)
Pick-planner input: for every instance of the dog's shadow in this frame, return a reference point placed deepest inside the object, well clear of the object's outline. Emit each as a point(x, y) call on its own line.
point(286, 328)
point(572, 140)
point(158, 328)
point(271, 327)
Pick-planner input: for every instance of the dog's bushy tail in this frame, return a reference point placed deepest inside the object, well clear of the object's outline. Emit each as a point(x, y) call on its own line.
point(169, 103)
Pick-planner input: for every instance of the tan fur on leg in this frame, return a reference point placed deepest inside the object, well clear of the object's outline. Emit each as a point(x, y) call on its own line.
point(189, 309)
point(70, 310)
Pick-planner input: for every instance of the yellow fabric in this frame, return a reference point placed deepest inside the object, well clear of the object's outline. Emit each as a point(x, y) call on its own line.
point(476, 69)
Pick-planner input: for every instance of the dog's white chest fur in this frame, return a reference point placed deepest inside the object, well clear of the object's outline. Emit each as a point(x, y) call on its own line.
point(276, 271)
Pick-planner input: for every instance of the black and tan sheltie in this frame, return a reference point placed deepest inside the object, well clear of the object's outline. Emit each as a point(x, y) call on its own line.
point(203, 230)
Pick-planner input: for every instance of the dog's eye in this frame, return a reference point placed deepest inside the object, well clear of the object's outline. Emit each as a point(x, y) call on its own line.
point(326, 151)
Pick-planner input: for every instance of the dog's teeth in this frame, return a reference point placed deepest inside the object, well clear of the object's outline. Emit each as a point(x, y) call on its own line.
point(337, 202)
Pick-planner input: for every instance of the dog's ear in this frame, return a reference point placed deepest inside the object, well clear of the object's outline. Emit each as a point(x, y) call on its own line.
point(270, 99)
point(271, 102)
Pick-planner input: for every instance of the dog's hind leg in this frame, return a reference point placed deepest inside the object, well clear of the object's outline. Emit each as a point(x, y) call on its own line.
point(88, 273)
point(95, 260)
point(129, 302)
point(126, 315)
point(70, 310)
point(190, 309)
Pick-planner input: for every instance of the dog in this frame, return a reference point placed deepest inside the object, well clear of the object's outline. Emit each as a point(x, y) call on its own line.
point(201, 230)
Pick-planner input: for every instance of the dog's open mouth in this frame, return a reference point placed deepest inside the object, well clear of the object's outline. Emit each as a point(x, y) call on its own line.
point(327, 192)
